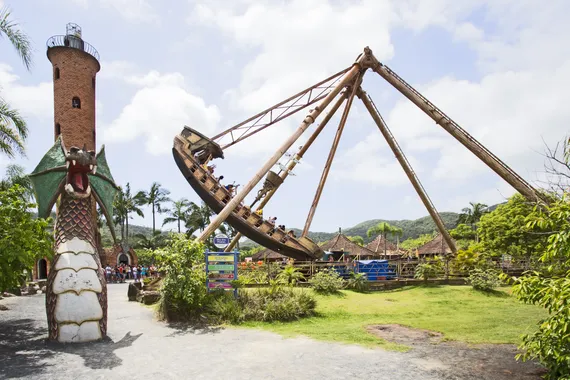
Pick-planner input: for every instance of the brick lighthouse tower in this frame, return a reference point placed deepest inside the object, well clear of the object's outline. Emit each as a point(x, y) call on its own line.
point(75, 66)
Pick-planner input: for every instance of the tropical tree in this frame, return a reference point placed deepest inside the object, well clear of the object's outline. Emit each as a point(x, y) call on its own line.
point(13, 128)
point(16, 175)
point(154, 241)
point(132, 204)
point(383, 229)
point(357, 240)
point(505, 230)
point(198, 218)
point(397, 232)
point(178, 213)
point(155, 197)
point(290, 275)
point(125, 204)
point(23, 238)
point(471, 215)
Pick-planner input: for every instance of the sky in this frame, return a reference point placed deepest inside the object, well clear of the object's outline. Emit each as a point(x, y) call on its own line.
point(498, 68)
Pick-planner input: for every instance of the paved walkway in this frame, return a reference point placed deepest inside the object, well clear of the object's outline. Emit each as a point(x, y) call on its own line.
point(143, 348)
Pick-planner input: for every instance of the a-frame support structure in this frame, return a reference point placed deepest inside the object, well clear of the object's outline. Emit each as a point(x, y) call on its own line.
point(346, 85)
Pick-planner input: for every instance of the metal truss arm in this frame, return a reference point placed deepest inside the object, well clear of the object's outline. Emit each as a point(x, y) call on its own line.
point(279, 111)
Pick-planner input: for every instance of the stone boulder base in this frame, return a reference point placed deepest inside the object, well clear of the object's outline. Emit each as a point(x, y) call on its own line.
point(148, 297)
point(133, 291)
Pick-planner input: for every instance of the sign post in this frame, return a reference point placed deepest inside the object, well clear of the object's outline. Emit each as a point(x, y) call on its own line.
point(221, 268)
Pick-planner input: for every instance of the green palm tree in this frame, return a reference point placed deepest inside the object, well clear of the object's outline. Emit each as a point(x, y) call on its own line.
point(16, 175)
point(357, 240)
point(397, 232)
point(383, 229)
point(199, 217)
point(290, 275)
point(155, 198)
point(179, 212)
point(132, 203)
point(120, 211)
point(471, 215)
point(154, 241)
point(13, 128)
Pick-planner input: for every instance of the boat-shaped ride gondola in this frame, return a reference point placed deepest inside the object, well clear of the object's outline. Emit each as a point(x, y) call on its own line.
point(190, 149)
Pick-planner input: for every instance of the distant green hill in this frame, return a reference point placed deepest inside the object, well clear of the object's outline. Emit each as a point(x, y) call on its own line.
point(411, 228)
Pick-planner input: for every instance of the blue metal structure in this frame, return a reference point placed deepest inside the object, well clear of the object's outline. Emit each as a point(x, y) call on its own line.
point(375, 269)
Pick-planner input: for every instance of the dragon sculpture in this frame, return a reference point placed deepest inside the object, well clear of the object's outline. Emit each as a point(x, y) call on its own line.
point(76, 294)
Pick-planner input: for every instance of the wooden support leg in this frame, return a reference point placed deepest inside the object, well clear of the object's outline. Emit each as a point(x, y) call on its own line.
point(407, 168)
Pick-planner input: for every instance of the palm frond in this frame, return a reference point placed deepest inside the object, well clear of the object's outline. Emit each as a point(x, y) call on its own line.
point(18, 38)
point(13, 131)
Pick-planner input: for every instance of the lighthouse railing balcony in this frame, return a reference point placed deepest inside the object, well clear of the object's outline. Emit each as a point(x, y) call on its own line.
point(72, 42)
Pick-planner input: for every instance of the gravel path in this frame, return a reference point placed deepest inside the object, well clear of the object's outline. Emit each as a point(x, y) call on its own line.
point(140, 347)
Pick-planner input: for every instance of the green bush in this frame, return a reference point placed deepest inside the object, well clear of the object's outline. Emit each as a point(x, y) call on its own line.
point(290, 275)
point(183, 290)
point(357, 282)
point(276, 303)
point(484, 279)
point(327, 282)
point(431, 268)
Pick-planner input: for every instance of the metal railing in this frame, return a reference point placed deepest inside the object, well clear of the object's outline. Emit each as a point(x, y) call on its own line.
point(72, 42)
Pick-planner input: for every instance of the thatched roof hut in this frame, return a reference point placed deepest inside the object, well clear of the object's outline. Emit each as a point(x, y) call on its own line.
point(340, 243)
point(377, 246)
point(437, 246)
point(268, 255)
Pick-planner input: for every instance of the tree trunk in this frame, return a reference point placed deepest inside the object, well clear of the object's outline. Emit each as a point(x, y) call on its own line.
point(153, 223)
point(122, 230)
point(178, 225)
point(127, 224)
point(385, 244)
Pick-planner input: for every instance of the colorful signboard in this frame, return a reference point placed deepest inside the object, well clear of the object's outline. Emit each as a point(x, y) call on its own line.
point(221, 270)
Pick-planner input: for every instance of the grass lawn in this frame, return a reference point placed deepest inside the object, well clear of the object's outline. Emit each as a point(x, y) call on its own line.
point(459, 312)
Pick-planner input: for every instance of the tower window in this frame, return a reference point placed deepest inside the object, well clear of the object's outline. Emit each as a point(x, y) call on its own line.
point(57, 129)
point(75, 102)
point(56, 73)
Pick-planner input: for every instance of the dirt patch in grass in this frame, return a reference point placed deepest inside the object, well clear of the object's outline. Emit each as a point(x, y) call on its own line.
point(456, 360)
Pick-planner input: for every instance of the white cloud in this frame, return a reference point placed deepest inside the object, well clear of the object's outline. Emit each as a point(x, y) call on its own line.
point(137, 11)
point(133, 10)
point(31, 101)
point(371, 161)
point(158, 111)
point(299, 43)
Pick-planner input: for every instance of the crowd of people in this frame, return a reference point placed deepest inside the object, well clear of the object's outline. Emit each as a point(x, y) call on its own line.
point(123, 272)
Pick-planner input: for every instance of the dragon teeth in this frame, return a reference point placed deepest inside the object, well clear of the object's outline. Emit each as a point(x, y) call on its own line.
point(94, 169)
point(69, 188)
point(67, 163)
point(73, 162)
point(90, 167)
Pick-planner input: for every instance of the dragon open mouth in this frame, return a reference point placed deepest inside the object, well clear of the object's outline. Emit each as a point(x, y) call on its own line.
point(79, 164)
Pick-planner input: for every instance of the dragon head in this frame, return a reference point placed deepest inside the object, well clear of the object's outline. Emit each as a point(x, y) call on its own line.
point(80, 163)
point(78, 172)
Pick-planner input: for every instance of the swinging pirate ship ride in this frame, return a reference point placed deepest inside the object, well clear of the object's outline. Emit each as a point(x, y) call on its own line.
point(193, 151)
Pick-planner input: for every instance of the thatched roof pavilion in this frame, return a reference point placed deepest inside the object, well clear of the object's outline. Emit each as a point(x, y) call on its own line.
point(268, 255)
point(377, 246)
point(437, 246)
point(340, 243)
